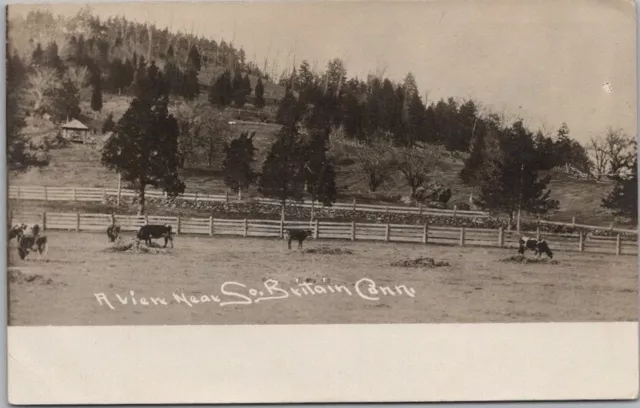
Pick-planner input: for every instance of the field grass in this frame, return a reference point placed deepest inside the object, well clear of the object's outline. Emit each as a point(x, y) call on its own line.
point(478, 285)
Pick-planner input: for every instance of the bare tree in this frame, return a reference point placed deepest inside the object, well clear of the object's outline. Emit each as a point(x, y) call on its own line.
point(619, 151)
point(415, 165)
point(78, 75)
point(375, 162)
point(598, 150)
point(41, 84)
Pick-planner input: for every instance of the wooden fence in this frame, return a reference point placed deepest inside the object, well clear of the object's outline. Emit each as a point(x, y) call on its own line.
point(353, 231)
point(82, 194)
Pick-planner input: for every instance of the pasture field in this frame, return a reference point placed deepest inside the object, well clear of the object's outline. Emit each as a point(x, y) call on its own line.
point(187, 283)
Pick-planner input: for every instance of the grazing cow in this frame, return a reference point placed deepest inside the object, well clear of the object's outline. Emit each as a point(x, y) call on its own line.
point(113, 232)
point(17, 231)
point(32, 242)
point(539, 246)
point(147, 232)
point(298, 235)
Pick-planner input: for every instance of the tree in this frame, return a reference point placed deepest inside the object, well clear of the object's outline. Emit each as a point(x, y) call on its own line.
point(238, 90)
point(65, 102)
point(237, 164)
point(623, 198)
point(282, 172)
point(193, 60)
point(600, 159)
point(37, 57)
point(78, 75)
point(144, 148)
point(289, 110)
point(619, 150)
point(220, 93)
point(415, 166)
point(96, 93)
point(51, 58)
point(191, 87)
point(259, 92)
point(375, 161)
point(510, 177)
point(42, 82)
point(319, 173)
point(109, 125)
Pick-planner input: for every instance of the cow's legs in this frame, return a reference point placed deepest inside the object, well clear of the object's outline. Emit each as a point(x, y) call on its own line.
point(300, 244)
point(289, 243)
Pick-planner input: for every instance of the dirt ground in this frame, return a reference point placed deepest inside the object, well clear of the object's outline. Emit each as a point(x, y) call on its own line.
point(233, 280)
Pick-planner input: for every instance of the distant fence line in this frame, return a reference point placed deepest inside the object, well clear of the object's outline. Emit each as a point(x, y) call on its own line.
point(99, 194)
point(353, 231)
point(83, 194)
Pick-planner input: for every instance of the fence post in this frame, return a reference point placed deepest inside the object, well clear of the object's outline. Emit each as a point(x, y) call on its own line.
point(455, 210)
point(46, 196)
point(501, 237)
point(119, 190)
point(146, 219)
point(387, 209)
point(104, 195)
point(462, 236)
point(73, 193)
point(316, 231)
point(281, 228)
point(18, 196)
point(246, 228)
point(178, 229)
point(195, 197)
point(425, 233)
point(618, 245)
point(420, 208)
point(77, 221)
point(211, 226)
point(226, 196)
point(354, 204)
point(353, 230)
point(538, 232)
point(239, 195)
point(44, 221)
point(581, 243)
point(573, 221)
point(518, 221)
point(387, 233)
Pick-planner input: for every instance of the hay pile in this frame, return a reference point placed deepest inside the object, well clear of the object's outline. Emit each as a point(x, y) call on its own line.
point(422, 262)
point(524, 260)
point(325, 250)
point(137, 247)
point(15, 276)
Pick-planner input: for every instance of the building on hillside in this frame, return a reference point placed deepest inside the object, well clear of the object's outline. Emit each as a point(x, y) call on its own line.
point(75, 130)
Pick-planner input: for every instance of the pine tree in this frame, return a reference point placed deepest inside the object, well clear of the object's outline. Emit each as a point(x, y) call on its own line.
point(319, 173)
point(65, 102)
point(239, 95)
point(282, 172)
point(510, 177)
point(96, 94)
point(51, 58)
point(194, 60)
point(144, 147)
point(237, 164)
point(259, 92)
point(220, 92)
point(37, 57)
point(622, 200)
point(191, 87)
point(289, 110)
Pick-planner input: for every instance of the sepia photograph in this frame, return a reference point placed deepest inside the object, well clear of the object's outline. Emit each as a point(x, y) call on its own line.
point(322, 163)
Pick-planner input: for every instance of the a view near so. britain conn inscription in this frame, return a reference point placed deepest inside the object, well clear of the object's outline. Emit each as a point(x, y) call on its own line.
point(272, 163)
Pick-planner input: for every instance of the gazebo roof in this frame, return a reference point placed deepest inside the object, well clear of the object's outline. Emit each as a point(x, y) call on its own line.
point(75, 124)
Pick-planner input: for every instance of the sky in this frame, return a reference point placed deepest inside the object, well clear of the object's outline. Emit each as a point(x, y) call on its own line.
point(546, 61)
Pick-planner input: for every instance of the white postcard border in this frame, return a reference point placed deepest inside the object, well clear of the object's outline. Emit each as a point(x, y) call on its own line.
point(322, 363)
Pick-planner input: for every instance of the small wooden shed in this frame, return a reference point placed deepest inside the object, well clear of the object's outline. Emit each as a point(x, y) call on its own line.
point(75, 130)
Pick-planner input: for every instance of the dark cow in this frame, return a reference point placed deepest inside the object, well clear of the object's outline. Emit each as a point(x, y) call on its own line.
point(297, 235)
point(31, 242)
point(113, 232)
point(147, 232)
point(17, 231)
point(538, 246)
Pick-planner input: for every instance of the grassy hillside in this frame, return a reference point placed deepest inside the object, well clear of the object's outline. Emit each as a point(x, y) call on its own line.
point(79, 165)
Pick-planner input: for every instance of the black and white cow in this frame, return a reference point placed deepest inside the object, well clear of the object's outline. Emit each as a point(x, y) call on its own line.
point(147, 232)
point(32, 242)
point(297, 235)
point(538, 246)
point(17, 231)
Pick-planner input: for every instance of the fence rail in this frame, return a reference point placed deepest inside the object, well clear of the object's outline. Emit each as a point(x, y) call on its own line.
point(424, 234)
point(46, 193)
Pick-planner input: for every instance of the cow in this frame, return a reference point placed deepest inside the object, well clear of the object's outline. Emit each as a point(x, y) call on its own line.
point(538, 246)
point(149, 231)
point(113, 232)
point(17, 231)
point(31, 242)
point(298, 235)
